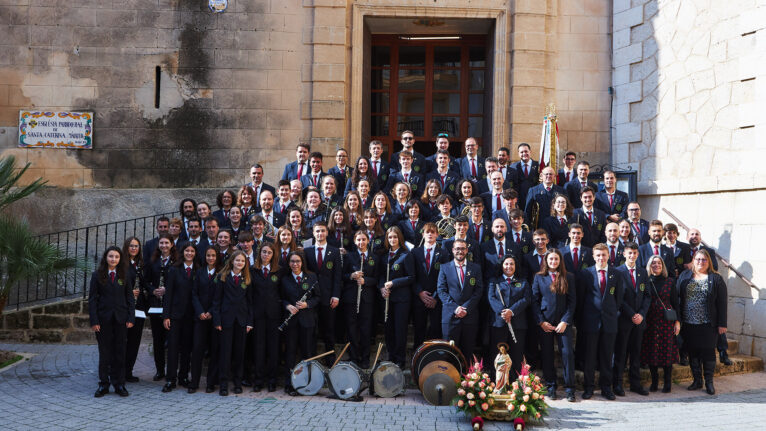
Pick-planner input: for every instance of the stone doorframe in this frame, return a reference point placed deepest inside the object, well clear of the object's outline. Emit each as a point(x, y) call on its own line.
point(501, 79)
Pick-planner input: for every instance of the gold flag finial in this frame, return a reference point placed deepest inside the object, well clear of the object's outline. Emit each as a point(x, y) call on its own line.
point(550, 110)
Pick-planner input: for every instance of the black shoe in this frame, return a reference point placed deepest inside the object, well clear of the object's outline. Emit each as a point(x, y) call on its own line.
point(618, 390)
point(588, 394)
point(696, 384)
point(183, 382)
point(101, 391)
point(571, 396)
point(238, 390)
point(609, 395)
point(653, 386)
point(169, 386)
point(191, 390)
point(257, 388)
point(289, 390)
point(551, 393)
point(223, 392)
point(666, 389)
point(159, 376)
point(247, 382)
point(724, 357)
point(272, 387)
point(640, 390)
point(210, 389)
point(121, 391)
point(709, 388)
point(130, 378)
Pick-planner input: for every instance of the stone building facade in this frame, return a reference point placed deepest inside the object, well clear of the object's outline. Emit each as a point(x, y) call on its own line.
point(185, 100)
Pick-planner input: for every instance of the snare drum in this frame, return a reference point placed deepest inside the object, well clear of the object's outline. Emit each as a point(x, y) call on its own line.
point(308, 377)
point(346, 380)
point(387, 380)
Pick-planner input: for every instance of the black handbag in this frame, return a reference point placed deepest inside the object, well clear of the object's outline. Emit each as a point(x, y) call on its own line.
point(669, 313)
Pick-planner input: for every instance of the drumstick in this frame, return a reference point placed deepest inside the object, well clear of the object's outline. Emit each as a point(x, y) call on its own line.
point(377, 356)
point(341, 355)
point(319, 356)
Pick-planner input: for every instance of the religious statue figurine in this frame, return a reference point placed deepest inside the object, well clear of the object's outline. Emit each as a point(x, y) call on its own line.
point(502, 368)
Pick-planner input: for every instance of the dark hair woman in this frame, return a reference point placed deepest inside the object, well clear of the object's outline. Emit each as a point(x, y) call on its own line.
point(266, 316)
point(156, 276)
point(205, 337)
point(112, 312)
point(395, 284)
point(132, 250)
point(362, 171)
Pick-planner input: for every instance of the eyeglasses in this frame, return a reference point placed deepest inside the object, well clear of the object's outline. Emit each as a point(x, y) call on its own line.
point(408, 138)
point(632, 209)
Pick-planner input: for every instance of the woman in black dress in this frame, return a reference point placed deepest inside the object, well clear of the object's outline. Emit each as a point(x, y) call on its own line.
point(659, 347)
point(703, 298)
point(132, 249)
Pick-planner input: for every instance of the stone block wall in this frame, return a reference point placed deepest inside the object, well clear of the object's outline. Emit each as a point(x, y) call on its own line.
point(689, 83)
point(62, 322)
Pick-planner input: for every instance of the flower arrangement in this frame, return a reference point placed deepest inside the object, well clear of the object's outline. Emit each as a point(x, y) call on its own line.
point(527, 396)
point(474, 393)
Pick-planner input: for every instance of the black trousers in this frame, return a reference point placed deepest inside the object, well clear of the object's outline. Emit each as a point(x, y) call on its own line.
point(532, 346)
point(599, 348)
point(159, 337)
point(180, 341)
point(628, 345)
point(232, 355)
point(112, 339)
point(464, 337)
point(566, 348)
point(396, 332)
point(515, 350)
point(297, 336)
point(206, 339)
point(134, 343)
point(360, 328)
point(327, 327)
point(426, 322)
point(266, 350)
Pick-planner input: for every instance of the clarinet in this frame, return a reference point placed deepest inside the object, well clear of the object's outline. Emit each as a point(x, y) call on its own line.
point(302, 299)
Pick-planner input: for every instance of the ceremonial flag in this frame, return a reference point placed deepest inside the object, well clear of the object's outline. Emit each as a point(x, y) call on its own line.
point(549, 142)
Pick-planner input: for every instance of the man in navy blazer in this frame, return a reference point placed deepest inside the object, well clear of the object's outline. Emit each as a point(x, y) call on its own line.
point(510, 201)
point(419, 164)
point(444, 174)
point(442, 144)
point(631, 324)
point(612, 201)
point(491, 252)
point(426, 307)
point(542, 194)
point(603, 289)
point(527, 171)
point(315, 174)
point(460, 288)
point(613, 243)
point(472, 166)
point(377, 164)
point(655, 246)
point(638, 226)
point(295, 170)
point(257, 184)
point(592, 219)
point(576, 185)
point(491, 164)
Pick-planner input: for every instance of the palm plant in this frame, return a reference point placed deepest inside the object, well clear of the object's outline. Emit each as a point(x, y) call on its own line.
point(23, 255)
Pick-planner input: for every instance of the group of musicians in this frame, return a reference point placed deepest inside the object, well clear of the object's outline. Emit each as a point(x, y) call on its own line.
point(476, 250)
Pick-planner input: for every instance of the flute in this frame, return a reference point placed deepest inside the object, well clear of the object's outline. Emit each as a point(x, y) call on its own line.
point(502, 301)
point(302, 299)
point(359, 288)
point(388, 274)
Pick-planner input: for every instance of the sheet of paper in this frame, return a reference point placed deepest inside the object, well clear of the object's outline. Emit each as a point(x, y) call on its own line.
point(308, 243)
point(140, 314)
point(409, 245)
point(155, 310)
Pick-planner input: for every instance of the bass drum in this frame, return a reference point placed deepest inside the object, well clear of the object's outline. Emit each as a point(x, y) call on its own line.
point(346, 380)
point(437, 350)
point(308, 377)
point(387, 380)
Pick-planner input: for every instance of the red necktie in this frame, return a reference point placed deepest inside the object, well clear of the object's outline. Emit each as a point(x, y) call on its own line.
point(518, 238)
point(337, 235)
point(500, 249)
point(265, 272)
point(590, 217)
point(443, 181)
point(575, 257)
point(582, 183)
point(478, 233)
point(111, 276)
point(188, 272)
point(611, 200)
point(298, 279)
point(526, 170)
point(508, 280)
point(539, 259)
point(473, 168)
point(226, 214)
point(236, 279)
point(553, 277)
point(602, 281)
point(315, 180)
point(353, 218)
point(611, 254)
point(428, 260)
point(568, 173)
point(633, 278)
point(638, 231)
point(300, 170)
point(319, 257)
point(391, 255)
point(498, 203)
point(462, 275)
point(561, 220)
point(413, 224)
point(363, 258)
point(284, 255)
point(694, 251)
point(547, 189)
point(406, 176)
point(656, 250)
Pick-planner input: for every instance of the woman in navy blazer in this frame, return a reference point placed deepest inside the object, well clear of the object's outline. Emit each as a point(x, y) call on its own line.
point(205, 337)
point(509, 298)
point(233, 318)
point(178, 315)
point(395, 283)
point(266, 313)
point(554, 300)
point(131, 249)
point(112, 312)
point(414, 215)
point(300, 330)
point(359, 272)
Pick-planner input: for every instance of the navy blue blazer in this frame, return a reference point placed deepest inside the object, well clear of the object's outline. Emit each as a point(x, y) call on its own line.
point(619, 204)
point(426, 280)
point(265, 294)
point(584, 258)
point(551, 307)
point(682, 254)
point(432, 166)
point(415, 180)
point(593, 231)
point(543, 197)
point(413, 236)
point(283, 209)
point(320, 214)
point(111, 300)
point(291, 170)
point(278, 219)
point(388, 220)
point(526, 181)
point(492, 263)
point(557, 234)
point(641, 236)
point(452, 295)
point(153, 272)
point(474, 249)
point(419, 163)
point(573, 188)
point(231, 303)
point(341, 177)
point(449, 187)
point(384, 170)
point(600, 313)
point(619, 257)
point(646, 251)
point(401, 271)
point(203, 292)
point(485, 230)
point(330, 275)
point(307, 180)
point(465, 168)
point(178, 293)
point(533, 265)
point(352, 263)
point(291, 292)
point(635, 300)
point(517, 296)
point(489, 201)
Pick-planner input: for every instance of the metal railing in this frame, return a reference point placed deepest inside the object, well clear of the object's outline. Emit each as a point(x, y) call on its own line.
point(722, 259)
point(87, 244)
